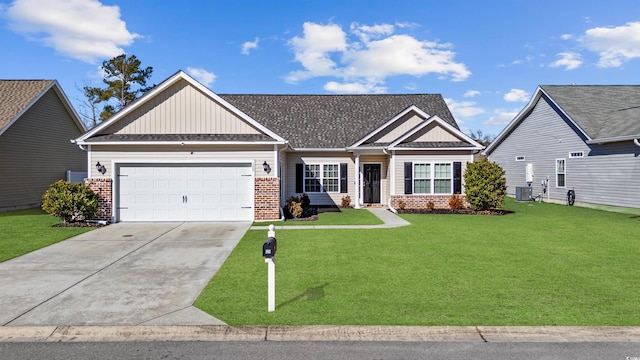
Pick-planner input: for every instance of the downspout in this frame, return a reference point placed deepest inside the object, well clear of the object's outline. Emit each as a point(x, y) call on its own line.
point(636, 141)
point(282, 183)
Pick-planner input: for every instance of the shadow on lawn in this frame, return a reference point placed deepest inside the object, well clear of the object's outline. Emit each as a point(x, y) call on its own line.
point(312, 294)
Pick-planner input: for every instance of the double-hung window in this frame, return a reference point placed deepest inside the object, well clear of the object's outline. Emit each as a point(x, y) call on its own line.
point(561, 172)
point(321, 177)
point(422, 178)
point(442, 179)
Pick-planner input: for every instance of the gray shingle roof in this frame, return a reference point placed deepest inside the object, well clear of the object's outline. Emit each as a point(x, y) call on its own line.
point(332, 121)
point(602, 111)
point(16, 95)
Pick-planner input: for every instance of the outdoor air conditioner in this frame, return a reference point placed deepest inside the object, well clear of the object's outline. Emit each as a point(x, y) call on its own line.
point(523, 193)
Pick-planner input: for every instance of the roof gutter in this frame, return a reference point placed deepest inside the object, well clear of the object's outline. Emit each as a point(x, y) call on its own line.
point(633, 138)
point(183, 143)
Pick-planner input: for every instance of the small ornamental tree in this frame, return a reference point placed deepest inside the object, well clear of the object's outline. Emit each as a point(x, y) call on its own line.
point(70, 201)
point(485, 185)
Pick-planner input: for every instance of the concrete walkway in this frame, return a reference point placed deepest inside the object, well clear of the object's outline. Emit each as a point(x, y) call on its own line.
point(390, 220)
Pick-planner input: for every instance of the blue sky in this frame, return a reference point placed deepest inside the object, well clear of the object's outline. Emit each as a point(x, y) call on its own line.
point(486, 58)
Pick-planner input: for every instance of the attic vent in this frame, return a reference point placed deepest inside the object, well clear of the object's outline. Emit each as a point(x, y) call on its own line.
point(519, 158)
point(577, 154)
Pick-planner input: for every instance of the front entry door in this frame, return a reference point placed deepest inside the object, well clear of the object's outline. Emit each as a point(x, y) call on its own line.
point(371, 183)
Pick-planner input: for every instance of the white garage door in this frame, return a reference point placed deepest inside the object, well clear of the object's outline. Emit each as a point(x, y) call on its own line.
point(185, 192)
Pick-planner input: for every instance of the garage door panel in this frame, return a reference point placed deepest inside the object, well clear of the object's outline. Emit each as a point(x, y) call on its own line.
point(191, 192)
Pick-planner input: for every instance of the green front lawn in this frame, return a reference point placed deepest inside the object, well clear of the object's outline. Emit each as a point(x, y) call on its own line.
point(23, 231)
point(343, 217)
point(545, 264)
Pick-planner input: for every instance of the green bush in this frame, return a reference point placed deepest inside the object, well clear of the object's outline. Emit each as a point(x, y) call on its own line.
point(485, 185)
point(70, 201)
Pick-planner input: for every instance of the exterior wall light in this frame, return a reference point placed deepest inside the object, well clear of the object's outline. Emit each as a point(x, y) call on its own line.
point(266, 167)
point(101, 168)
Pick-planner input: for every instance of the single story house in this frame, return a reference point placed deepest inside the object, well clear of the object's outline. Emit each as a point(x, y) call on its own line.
point(584, 139)
point(36, 123)
point(183, 153)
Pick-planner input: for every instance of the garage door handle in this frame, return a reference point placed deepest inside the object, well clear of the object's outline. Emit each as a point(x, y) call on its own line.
point(246, 207)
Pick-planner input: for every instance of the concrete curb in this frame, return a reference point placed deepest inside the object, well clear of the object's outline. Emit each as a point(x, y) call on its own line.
point(555, 334)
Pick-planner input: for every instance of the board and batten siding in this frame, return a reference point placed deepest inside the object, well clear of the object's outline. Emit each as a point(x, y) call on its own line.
point(401, 157)
point(36, 151)
point(434, 132)
point(181, 109)
point(607, 174)
point(322, 198)
point(106, 155)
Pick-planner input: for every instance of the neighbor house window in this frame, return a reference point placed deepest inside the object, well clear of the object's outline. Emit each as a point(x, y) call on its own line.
point(442, 179)
point(519, 158)
point(321, 177)
point(422, 178)
point(560, 172)
point(577, 154)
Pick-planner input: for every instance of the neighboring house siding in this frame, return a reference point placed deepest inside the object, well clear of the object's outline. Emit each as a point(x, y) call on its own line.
point(426, 157)
point(177, 154)
point(607, 174)
point(320, 198)
point(36, 151)
point(181, 109)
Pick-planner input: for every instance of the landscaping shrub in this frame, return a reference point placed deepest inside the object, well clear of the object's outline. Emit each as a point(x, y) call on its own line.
point(70, 201)
point(346, 201)
point(294, 206)
point(455, 203)
point(485, 185)
point(430, 205)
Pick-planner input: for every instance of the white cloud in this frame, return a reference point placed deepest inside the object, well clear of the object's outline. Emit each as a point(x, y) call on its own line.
point(203, 76)
point(354, 88)
point(501, 117)
point(81, 29)
point(566, 36)
point(471, 93)
point(249, 45)
point(463, 109)
point(516, 95)
point(370, 56)
point(615, 45)
point(570, 60)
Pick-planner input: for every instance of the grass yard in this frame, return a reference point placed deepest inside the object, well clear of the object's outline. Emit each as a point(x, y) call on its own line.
point(23, 231)
point(545, 264)
point(344, 217)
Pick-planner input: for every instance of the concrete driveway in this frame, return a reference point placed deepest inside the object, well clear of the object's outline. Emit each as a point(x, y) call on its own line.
point(121, 274)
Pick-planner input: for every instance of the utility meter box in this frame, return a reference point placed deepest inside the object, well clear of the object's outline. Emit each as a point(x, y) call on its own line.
point(529, 173)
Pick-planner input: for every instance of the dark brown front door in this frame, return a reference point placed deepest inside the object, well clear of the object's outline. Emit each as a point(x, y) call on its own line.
point(371, 183)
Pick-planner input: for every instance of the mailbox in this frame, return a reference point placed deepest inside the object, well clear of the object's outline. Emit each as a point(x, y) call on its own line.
point(269, 247)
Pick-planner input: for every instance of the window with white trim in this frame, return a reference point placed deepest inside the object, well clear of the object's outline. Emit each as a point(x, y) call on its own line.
point(561, 172)
point(421, 178)
point(321, 178)
point(442, 178)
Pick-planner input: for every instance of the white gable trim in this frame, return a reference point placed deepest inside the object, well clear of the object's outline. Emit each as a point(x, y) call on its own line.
point(180, 75)
point(444, 124)
point(391, 121)
point(65, 102)
point(522, 114)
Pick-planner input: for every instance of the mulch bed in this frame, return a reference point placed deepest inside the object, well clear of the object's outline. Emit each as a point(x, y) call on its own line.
point(459, 212)
point(80, 224)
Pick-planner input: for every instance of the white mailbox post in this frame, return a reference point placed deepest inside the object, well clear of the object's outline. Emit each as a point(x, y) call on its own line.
point(269, 252)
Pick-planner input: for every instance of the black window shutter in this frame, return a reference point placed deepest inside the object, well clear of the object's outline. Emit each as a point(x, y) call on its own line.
point(299, 178)
point(343, 178)
point(408, 178)
point(457, 177)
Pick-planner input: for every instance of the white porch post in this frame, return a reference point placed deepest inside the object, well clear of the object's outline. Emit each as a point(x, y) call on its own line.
point(357, 180)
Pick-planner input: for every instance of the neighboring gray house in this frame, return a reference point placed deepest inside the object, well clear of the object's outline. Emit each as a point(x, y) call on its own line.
point(37, 123)
point(182, 152)
point(580, 138)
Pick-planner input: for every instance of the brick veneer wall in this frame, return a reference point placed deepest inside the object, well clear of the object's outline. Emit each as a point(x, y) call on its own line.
point(267, 198)
point(420, 201)
point(102, 187)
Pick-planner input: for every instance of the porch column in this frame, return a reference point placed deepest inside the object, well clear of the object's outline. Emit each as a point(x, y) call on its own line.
point(357, 179)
